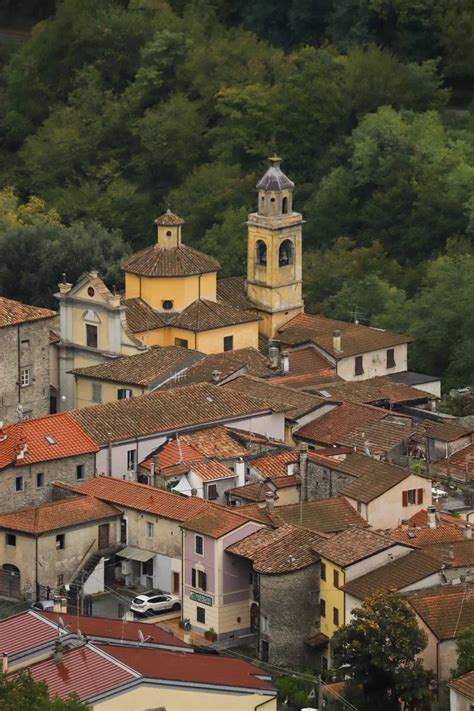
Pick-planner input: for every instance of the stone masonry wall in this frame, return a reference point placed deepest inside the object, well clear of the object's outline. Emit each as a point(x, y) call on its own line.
point(292, 616)
point(323, 482)
point(25, 346)
point(64, 470)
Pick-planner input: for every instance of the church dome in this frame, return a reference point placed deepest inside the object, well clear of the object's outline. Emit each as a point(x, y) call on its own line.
point(275, 178)
point(156, 261)
point(169, 219)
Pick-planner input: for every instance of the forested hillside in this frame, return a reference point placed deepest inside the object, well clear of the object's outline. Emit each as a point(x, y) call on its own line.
point(112, 110)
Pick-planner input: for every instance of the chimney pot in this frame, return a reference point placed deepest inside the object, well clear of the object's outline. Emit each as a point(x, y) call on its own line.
point(468, 532)
point(336, 340)
point(5, 663)
point(216, 376)
point(58, 652)
point(431, 510)
point(273, 356)
point(285, 361)
point(269, 502)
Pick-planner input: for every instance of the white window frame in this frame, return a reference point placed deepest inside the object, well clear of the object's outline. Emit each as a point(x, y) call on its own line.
point(415, 494)
point(131, 460)
point(195, 544)
point(93, 325)
point(150, 529)
point(25, 377)
point(128, 393)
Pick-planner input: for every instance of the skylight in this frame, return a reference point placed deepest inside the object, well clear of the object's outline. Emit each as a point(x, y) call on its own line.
point(50, 439)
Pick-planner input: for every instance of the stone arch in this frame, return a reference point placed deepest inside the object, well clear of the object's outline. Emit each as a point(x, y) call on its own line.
point(284, 205)
point(261, 253)
point(285, 253)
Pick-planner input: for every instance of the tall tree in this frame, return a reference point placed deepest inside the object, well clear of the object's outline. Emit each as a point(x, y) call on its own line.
point(465, 650)
point(22, 692)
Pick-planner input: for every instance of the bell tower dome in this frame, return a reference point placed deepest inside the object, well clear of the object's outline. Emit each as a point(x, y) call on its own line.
point(168, 227)
point(274, 259)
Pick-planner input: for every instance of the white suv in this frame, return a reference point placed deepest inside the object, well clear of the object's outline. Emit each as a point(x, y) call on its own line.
point(155, 602)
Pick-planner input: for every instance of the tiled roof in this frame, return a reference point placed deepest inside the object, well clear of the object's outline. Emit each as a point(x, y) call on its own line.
point(84, 671)
point(445, 610)
point(274, 178)
point(379, 436)
point(309, 382)
point(232, 290)
point(142, 497)
point(105, 628)
point(14, 312)
point(169, 219)
point(327, 515)
point(245, 360)
point(457, 554)
point(309, 360)
point(142, 368)
point(173, 452)
point(293, 403)
point(156, 261)
point(215, 442)
point(58, 514)
point(375, 390)
point(464, 685)
point(210, 469)
point(445, 431)
point(216, 521)
point(25, 631)
point(459, 466)
point(417, 536)
point(141, 317)
point(396, 575)
point(354, 544)
point(379, 478)
point(193, 669)
point(163, 411)
point(275, 464)
point(204, 315)
point(355, 338)
point(331, 427)
point(281, 550)
point(65, 439)
point(250, 492)
point(420, 518)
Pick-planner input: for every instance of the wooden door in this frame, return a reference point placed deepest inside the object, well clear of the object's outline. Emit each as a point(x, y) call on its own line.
point(176, 589)
point(104, 536)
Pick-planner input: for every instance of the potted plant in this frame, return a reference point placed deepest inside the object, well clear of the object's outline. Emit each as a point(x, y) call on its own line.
point(211, 634)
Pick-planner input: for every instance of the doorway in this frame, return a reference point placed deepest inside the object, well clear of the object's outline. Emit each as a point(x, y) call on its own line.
point(104, 536)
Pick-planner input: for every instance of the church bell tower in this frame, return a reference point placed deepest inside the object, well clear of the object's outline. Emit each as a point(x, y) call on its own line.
point(274, 259)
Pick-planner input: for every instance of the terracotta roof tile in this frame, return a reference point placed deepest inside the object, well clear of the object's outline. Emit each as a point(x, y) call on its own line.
point(14, 312)
point(417, 536)
point(396, 575)
point(464, 685)
point(216, 521)
point(379, 437)
point(156, 261)
point(232, 290)
point(142, 368)
point(378, 478)
point(169, 219)
point(420, 518)
point(327, 515)
point(343, 419)
point(282, 550)
point(215, 442)
point(447, 610)
point(309, 382)
point(25, 631)
point(355, 338)
point(164, 411)
point(245, 360)
point(210, 470)
point(309, 360)
point(142, 497)
point(276, 465)
point(58, 514)
point(250, 492)
point(376, 390)
point(294, 403)
point(354, 544)
point(43, 439)
point(141, 317)
point(204, 315)
point(459, 466)
point(446, 431)
point(457, 554)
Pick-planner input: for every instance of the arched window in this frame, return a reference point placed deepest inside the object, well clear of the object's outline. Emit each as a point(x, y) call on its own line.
point(261, 253)
point(285, 254)
point(284, 205)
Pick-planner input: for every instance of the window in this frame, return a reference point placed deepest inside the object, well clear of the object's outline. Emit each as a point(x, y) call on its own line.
point(323, 571)
point(147, 567)
point(150, 530)
point(25, 377)
point(193, 577)
point(92, 336)
point(285, 253)
point(167, 304)
point(124, 393)
point(25, 342)
point(284, 205)
point(199, 545)
point(314, 597)
point(181, 342)
point(335, 578)
point(60, 581)
point(60, 541)
point(322, 607)
point(265, 655)
point(335, 616)
point(80, 471)
point(412, 497)
point(390, 358)
point(324, 663)
point(131, 460)
point(212, 492)
point(10, 539)
point(264, 624)
point(200, 614)
point(261, 253)
point(39, 480)
point(19, 483)
point(359, 366)
point(198, 579)
point(96, 392)
point(228, 343)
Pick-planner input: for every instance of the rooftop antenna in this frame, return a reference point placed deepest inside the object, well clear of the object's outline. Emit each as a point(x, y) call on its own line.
point(142, 638)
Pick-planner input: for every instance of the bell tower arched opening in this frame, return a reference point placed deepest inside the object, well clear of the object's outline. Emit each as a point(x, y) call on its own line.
point(261, 253)
point(285, 253)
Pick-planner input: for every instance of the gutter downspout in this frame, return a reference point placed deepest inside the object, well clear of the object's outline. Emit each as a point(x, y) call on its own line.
point(36, 570)
point(18, 356)
point(263, 703)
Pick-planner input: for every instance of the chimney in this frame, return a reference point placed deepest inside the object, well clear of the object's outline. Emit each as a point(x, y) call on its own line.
point(285, 362)
point(269, 502)
point(5, 663)
point(404, 524)
point(58, 652)
point(431, 516)
point(216, 376)
point(153, 466)
point(336, 341)
point(468, 532)
point(239, 469)
point(57, 604)
point(303, 467)
point(273, 356)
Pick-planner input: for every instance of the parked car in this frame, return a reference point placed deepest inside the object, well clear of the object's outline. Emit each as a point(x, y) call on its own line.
point(42, 605)
point(152, 603)
point(439, 493)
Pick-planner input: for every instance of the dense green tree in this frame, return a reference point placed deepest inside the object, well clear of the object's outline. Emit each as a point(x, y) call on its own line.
point(378, 648)
point(227, 241)
point(465, 650)
point(360, 300)
point(22, 692)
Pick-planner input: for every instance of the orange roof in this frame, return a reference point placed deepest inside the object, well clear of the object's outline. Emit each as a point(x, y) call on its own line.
point(58, 514)
point(418, 536)
point(14, 312)
point(331, 427)
point(145, 498)
point(464, 685)
point(210, 469)
point(445, 610)
point(420, 518)
point(460, 465)
point(215, 442)
point(216, 521)
point(374, 390)
point(45, 438)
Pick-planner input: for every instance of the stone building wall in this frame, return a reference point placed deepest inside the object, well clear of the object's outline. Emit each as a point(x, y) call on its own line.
point(292, 614)
point(323, 482)
point(25, 346)
point(64, 470)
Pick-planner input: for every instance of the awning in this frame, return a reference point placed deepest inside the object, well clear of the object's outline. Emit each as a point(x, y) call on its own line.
point(136, 554)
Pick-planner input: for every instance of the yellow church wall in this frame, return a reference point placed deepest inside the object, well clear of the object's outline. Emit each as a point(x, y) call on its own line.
point(245, 336)
point(79, 326)
point(333, 597)
point(109, 391)
point(153, 338)
point(182, 291)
